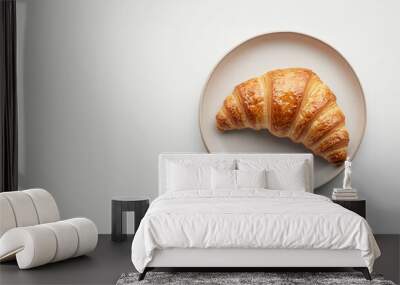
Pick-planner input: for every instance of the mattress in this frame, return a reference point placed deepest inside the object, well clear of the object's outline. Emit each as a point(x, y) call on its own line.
point(252, 219)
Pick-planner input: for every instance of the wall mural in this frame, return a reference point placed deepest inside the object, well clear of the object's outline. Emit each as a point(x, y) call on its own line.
point(299, 110)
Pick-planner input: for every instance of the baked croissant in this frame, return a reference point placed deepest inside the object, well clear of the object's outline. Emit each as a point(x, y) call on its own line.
point(293, 103)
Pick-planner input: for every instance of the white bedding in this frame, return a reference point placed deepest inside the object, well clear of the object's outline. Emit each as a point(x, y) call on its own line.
point(250, 218)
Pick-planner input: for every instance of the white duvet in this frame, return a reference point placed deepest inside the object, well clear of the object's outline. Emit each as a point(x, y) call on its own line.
point(251, 218)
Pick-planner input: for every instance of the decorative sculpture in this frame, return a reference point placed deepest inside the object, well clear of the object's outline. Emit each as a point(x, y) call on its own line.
point(347, 174)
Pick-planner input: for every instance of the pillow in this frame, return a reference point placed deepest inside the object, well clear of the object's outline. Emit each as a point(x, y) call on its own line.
point(223, 179)
point(251, 178)
point(237, 179)
point(189, 173)
point(184, 177)
point(282, 174)
point(293, 179)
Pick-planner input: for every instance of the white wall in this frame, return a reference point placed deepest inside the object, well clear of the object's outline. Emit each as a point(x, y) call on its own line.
point(107, 85)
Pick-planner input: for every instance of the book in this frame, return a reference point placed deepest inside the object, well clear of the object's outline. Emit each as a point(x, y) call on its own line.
point(345, 198)
point(341, 190)
point(345, 193)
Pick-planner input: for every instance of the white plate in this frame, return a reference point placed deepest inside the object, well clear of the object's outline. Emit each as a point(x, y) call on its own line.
point(279, 50)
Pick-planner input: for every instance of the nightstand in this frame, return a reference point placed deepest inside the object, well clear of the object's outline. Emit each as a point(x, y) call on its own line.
point(120, 205)
point(357, 206)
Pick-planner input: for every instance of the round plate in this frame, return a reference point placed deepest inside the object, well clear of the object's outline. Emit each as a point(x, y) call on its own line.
point(280, 50)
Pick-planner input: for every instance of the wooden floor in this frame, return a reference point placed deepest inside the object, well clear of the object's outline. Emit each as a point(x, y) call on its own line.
point(110, 260)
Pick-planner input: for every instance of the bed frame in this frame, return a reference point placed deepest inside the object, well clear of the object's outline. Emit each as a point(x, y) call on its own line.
point(260, 259)
point(237, 259)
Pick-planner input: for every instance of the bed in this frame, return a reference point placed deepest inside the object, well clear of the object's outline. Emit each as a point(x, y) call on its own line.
point(246, 211)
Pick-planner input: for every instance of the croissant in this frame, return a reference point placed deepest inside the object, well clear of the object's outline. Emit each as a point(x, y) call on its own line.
point(293, 103)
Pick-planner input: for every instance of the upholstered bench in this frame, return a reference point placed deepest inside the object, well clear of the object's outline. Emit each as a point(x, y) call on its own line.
point(31, 230)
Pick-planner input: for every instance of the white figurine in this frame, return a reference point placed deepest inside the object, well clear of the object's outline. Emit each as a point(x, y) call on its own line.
point(347, 174)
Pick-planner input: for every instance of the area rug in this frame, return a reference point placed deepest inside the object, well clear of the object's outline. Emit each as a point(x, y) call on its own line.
point(269, 278)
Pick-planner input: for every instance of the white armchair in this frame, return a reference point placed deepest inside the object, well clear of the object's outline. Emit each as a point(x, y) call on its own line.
point(31, 230)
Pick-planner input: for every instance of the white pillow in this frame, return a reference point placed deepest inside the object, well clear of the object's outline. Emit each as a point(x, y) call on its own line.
point(282, 174)
point(293, 179)
point(237, 179)
point(185, 177)
point(193, 173)
point(223, 179)
point(251, 178)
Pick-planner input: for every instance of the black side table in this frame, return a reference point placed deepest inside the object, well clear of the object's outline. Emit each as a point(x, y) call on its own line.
point(121, 205)
point(357, 206)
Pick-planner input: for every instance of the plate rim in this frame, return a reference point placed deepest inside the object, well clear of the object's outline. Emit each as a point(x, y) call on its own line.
point(205, 85)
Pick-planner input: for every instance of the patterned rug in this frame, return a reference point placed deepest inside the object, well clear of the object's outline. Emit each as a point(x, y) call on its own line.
point(269, 278)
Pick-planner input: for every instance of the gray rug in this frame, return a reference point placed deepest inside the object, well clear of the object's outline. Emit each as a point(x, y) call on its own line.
point(269, 278)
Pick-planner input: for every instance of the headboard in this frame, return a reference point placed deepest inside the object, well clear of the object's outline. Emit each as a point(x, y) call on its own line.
point(164, 158)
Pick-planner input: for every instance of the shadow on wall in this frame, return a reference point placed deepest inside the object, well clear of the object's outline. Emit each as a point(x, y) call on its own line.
point(21, 28)
point(30, 110)
point(82, 131)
